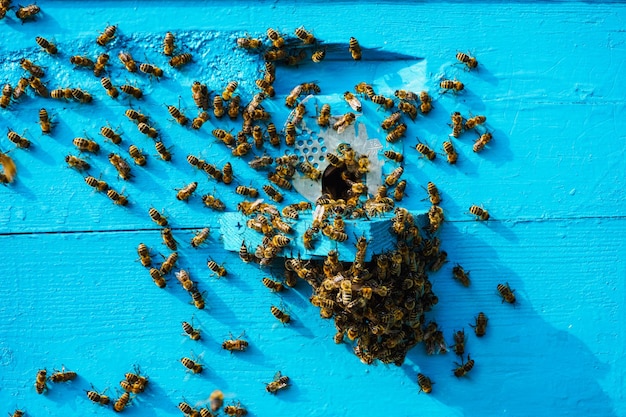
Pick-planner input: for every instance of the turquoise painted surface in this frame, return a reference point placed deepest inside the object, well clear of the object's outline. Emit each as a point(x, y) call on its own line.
point(553, 179)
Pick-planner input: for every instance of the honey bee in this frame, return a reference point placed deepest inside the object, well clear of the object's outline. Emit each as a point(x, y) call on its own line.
point(425, 151)
point(249, 43)
point(34, 70)
point(481, 142)
point(81, 96)
point(323, 119)
point(177, 114)
point(426, 105)
point(200, 95)
point(188, 410)
point(213, 171)
point(506, 293)
point(480, 327)
point(235, 410)
point(98, 398)
point(168, 44)
point(425, 384)
point(433, 193)
point(393, 178)
point(397, 133)
point(46, 45)
point(76, 163)
point(216, 400)
point(5, 100)
point(229, 90)
point(120, 164)
point(138, 381)
point(44, 121)
point(135, 116)
point(233, 344)
point(398, 193)
point(227, 173)
point(151, 70)
point(234, 107)
point(137, 155)
point(20, 89)
point(193, 333)
point(101, 62)
point(344, 121)
point(453, 85)
point(280, 181)
point(280, 315)
point(157, 217)
point(213, 202)
point(224, 136)
point(391, 120)
point(121, 402)
point(132, 91)
point(275, 55)
point(463, 369)
point(196, 296)
point(355, 49)
point(276, 38)
point(290, 134)
point(147, 130)
point(40, 382)
point(117, 198)
point(86, 145)
point(472, 122)
point(106, 36)
point(180, 60)
point(99, 185)
point(290, 100)
point(406, 95)
point(183, 277)
point(128, 61)
point(247, 191)
point(217, 269)
point(63, 376)
point(144, 254)
point(469, 61)
point(435, 218)
point(157, 277)
point(81, 61)
point(318, 56)
point(352, 101)
point(38, 86)
point(394, 156)
point(169, 263)
point(193, 366)
point(408, 109)
point(479, 212)
point(451, 154)
point(310, 171)
point(184, 193)
point(383, 101)
point(163, 152)
point(279, 382)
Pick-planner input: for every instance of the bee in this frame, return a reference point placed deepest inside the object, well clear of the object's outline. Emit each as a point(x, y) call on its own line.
point(81, 96)
point(472, 122)
point(20, 89)
point(188, 410)
point(34, 70)
point(98, 398)
point(117, 198)
point(398, 193)
point(157, 217)
point(479, 212)
point(393, 178)
point(163, 152)
point(184, 193)
point(169, 263)
point(279, 382)
point(101, 62)
point(433, 193)
point(394, 156)
point(391, 120)
point(306, 37)
point(247, 191)
point(229, 90)
point(196, 296)
point(235, 410)
point(397, 133)
point(249, 43)
point(106, 36)
point(135, 116)
point(244, 254)
point(180, 60)
point(168, 44)
point(435, 218)
point(426, 105)
point(217, 269)
point(44, 121)
point(76, 163)
point(224, 136)
point(227, 173)
point(453, 85)
point(344, 121)
point(121, 402)
point(273, 193)
point(99, 185)
point(193, 333)
point(266, 87)
point(352, 101)
point(144, 254)
point(408, 109)
point(406, 95)
point(128, 61)
point(177, 114)
point(63, 376)
point(290, 100)
point(200, 95)
point(290, 134)
point(451, 154)
point(459, 342)
point(234, 107)
point(233, 344)
point(40, 382)
point(318, 56)
point(425, 151)
point(183, 277)
point(216, 400)
point(463, 369)
point(310, 171)
point(280, 315)
point(137, 155)
point(480, 327)
point(148, 130)
point(120, 164)
point(506, 293)
point(481, 142)
point(274, 36)
point(425, 384)
point(81, 61)
point(213, 202)
point(323, 119)
point(194, 367)
point(212, 171)
point(5, 100)
point(151, 70)
point(257, 136)
point(46, 45)
point(132, 91)
point(275, 55)
point(355, 49)
point(280, 181)
point(469, 61)
point(385, 102)
point(259, 162)
point(38, 86)
point(86, 145)
point(157, 277)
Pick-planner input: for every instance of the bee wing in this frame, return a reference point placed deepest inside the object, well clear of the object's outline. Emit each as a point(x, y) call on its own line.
point(318, 214)
point(293, 112)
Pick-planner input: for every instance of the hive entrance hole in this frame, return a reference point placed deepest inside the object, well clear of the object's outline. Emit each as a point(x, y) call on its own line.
point(334, 183)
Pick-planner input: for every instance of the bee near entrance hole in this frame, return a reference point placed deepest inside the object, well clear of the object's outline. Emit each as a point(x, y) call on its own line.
point(334, 183)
